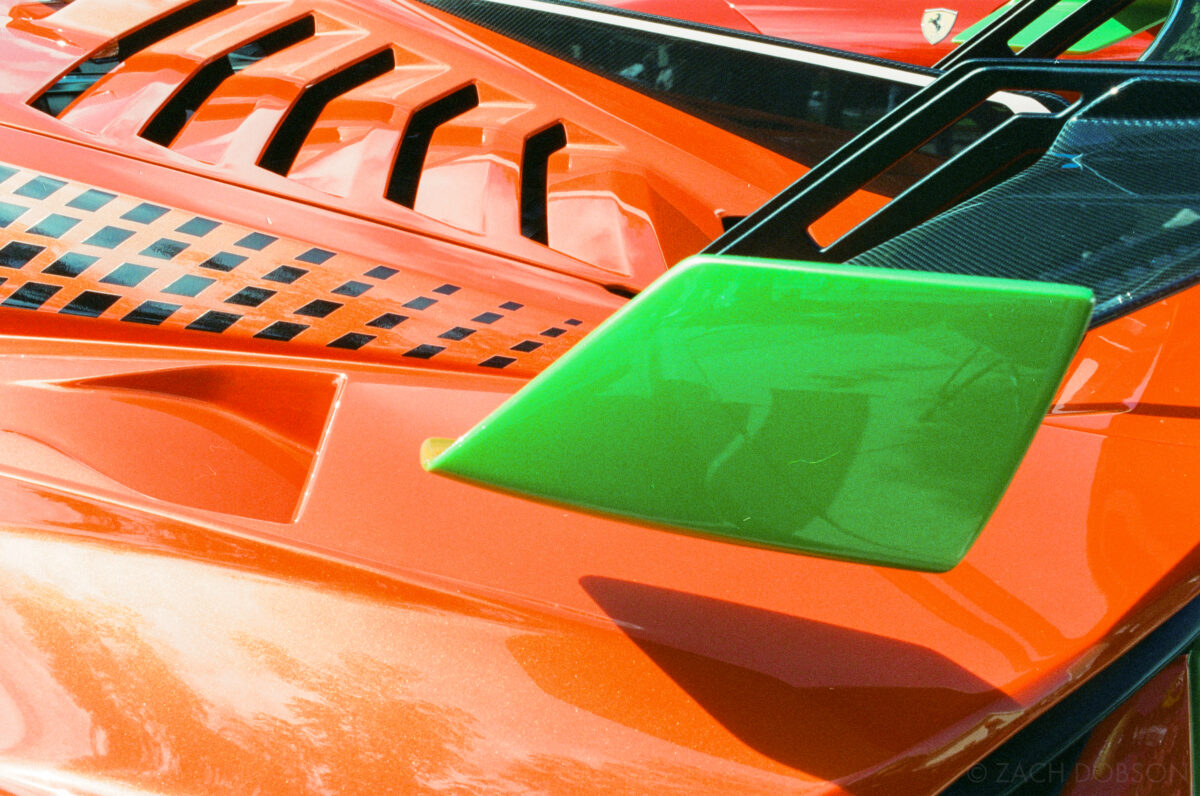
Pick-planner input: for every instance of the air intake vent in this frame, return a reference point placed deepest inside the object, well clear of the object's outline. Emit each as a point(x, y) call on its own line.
point(369, 109)
point(55, 99)
point(535, 165)
point(167, 123)
point(410, 157)
point(285, 144)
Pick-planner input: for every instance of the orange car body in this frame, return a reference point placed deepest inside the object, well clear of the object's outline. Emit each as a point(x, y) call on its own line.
point(224, 570)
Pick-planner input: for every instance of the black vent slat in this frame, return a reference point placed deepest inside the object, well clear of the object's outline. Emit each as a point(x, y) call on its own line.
point(55, 99)
point(285, 144)
point(171, 118)
point(535, 167)
point(160, 29)
point(410, 156)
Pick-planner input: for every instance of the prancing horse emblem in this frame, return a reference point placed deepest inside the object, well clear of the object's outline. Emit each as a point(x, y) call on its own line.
point(937, 23)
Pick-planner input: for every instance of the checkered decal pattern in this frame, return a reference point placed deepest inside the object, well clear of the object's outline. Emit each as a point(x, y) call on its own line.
point(75, 250)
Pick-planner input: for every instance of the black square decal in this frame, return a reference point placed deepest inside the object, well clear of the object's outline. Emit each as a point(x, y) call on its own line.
point(424, 351)
point(145, 213)
point(315, 256)
point(127, 275)
point(282, 330)
point(31, 295)
point(164, 248)
point(554, 331)
point(39, 187)
point(389, 320)
point(198, 226)
point(525, 346)
point(511, 305)
point(151, 313)
point(257, 241)
point(457, 333)
point(573, 322)
point(90, 304)
point(318, 309)
point(10, 213)
point(223, 261)
point(213, 321)
point(250, 296)
point(110, 237)
point(188, 285)
point(497, 362)
point(91, 200)
point(351, 289)
point(53, 225)
point(487, 317)
point(352, 341)
point(70, 264)
point(381, 272)
point(16, 254)
point(447, 290)
point(420, 303)
point(286, 274)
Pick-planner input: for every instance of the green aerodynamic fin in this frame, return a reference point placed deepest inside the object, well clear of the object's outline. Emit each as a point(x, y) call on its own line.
point(850, 412)
point(1133, 19)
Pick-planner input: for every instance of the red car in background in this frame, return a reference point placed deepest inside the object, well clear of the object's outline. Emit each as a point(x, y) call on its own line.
point(912, 31)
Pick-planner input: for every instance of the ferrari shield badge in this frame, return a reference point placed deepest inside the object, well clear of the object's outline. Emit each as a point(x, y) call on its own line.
point(937, 23)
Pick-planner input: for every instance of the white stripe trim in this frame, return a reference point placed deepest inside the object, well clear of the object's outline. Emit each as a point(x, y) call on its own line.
point(1014, 102)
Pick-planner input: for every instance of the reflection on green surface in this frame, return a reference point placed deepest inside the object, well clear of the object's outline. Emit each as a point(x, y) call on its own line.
point(857, 413)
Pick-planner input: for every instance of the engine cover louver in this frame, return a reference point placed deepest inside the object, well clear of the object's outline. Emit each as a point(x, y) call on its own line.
point(396, 112)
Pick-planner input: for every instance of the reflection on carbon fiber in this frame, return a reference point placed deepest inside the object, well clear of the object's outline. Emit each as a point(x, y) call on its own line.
point(1180, 40)
point(1113, 206)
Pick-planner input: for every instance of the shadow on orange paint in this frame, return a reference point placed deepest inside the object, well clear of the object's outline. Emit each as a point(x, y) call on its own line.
point(787, 693)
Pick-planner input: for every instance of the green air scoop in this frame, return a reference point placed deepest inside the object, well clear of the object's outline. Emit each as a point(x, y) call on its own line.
point(842, 411)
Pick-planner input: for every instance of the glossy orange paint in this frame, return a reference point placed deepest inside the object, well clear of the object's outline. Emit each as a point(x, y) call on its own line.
point(210, 586)
point(648, 150)
point(1143, 749)
point(744, 669)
